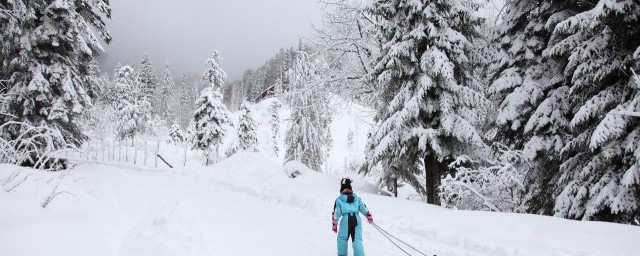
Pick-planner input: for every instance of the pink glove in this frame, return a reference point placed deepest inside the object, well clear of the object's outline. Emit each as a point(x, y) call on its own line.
point(369, 218)
point(335, 226)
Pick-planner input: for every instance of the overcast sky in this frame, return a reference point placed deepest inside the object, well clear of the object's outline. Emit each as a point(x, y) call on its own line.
point(185, 32)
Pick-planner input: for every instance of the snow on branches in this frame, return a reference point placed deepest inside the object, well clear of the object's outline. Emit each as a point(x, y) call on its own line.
point(211, 117)
point(49, 62)
point(308, 138)
point(209, 122)
point(495, 185)
point(247, 137)
point(428, 98)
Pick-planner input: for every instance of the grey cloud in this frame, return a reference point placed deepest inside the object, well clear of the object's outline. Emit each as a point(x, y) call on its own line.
point(185, 33)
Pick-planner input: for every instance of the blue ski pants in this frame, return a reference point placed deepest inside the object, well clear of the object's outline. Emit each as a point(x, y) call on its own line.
point(350, 227)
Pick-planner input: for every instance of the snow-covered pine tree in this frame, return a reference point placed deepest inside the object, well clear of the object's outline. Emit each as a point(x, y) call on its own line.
point(210, 118)
point(133, 108)
point(530, 94)
point(308, 138)
point(147, 77)
point(46, 54)
point(247, 136)
point(214, 76)
point(182, 105)
point(164, 95)
point(176, 134)
point(258, 85)
point(247, 84)
point(427, 92)
point(600, 41)
point(278, 87)
point(274, 121)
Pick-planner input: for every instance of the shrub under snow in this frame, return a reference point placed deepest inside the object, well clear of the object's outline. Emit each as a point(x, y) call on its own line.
point(497, 185)
point(35, 146)
point(295, 168)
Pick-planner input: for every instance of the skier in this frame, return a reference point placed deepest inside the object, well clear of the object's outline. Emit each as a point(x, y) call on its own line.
point(345, 211)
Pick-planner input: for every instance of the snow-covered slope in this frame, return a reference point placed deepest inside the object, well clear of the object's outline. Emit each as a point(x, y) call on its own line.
point(246, 205)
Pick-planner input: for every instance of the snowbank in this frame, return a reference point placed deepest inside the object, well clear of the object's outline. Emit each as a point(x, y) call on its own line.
point(295, 168)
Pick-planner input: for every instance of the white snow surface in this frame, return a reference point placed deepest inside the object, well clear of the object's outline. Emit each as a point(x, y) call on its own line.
point(246, 205)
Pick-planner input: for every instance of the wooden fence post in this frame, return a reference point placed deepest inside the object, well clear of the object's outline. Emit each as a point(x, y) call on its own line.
point(156, 154)
point(145, 152)
point(184, 155)
point(135, 152)
point(102, 149)
point(126, 152)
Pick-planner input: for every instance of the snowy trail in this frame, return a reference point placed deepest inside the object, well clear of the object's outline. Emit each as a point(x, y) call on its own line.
point(201, 219)
point(247, 206)
point(195, 216)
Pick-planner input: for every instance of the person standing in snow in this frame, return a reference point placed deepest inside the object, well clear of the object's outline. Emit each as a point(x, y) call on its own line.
point(345, 213)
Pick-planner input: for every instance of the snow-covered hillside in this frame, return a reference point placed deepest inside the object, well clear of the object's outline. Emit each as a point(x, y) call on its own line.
point(246, 205)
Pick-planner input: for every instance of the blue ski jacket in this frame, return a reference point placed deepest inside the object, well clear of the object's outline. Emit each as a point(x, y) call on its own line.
point(342, 207)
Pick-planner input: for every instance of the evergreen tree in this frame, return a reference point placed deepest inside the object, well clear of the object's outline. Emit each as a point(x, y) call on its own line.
point(247, 137)
point(147, 77)
point(133, 108)
point(530, 94)
point(209, 120)
point(599, 175)
point(48, 53)
point(215, 76)
point(210, 117)
point(183, 105)
point(259, 85)
point(176, 134)
point(274, 121)
point(278, 87)
point(247, 85)
point(308, 138)
point(164, 95)
point(427, 92)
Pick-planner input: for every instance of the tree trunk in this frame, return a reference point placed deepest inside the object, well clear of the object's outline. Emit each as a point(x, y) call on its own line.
point(215, 159)
point(433, 170)
point(395, 186)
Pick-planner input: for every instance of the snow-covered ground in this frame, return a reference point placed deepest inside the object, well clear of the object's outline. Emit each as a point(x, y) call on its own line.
point(246, 205)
